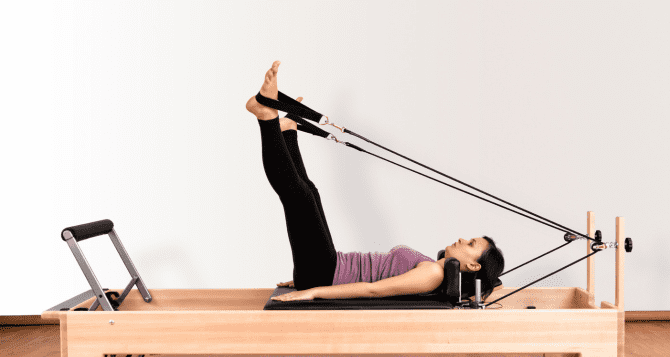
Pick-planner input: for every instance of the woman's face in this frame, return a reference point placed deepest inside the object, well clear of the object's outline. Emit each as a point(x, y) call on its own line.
point(467, 252)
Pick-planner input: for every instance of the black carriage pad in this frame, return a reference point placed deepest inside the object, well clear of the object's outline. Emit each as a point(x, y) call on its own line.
point(401, 302)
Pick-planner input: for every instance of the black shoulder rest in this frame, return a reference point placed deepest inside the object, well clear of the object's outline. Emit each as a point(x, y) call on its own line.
point(450, 284)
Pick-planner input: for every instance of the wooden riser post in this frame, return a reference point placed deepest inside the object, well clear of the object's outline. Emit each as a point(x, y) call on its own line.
point(619, 288)
point(590, 261)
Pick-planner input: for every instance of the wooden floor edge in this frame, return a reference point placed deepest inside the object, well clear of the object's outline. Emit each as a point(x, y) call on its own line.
point(641, 316)
point(28, 320)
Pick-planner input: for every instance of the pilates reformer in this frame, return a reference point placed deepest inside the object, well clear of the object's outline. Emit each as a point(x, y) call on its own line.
point(241, 321)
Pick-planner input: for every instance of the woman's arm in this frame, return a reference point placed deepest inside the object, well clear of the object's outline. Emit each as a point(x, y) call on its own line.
point(344, 291)
point(419, 280)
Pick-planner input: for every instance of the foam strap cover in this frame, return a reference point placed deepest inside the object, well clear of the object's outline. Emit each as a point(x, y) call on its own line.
point(89, 230)
point(289, 105)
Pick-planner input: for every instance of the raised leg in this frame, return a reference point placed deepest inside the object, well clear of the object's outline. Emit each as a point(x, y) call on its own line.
point(314, 255)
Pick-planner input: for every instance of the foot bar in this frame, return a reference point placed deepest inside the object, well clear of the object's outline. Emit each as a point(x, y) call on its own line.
point(72, 235)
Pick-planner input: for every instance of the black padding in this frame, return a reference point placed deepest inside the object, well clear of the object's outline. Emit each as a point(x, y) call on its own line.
point(451, 284)
point(89, 230)
point(402, 302)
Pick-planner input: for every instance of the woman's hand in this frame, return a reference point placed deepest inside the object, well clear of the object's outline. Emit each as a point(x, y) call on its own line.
point(308, 294)
point(289, 284)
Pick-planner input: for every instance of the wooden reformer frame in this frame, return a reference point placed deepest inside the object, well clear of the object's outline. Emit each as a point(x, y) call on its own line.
point(566, 321)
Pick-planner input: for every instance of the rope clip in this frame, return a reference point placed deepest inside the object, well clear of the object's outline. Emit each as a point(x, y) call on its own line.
point(327, 122)
point(332, 137)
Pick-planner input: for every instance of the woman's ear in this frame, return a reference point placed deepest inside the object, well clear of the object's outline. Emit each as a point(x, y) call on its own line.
point(473, 267)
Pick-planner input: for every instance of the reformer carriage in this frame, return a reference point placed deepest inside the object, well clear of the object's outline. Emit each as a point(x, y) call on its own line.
point(245, 321)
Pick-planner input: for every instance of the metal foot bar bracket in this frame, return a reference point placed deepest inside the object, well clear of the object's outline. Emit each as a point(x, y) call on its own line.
point(74, 234)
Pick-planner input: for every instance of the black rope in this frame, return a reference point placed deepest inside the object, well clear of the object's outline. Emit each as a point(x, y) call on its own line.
point(292, 106)
point(530, 261)
point(472, 187)
point(565, 267)
point(469, 193)
point(446, 184)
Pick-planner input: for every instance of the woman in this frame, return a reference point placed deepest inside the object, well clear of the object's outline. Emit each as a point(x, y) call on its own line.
point(319, 270)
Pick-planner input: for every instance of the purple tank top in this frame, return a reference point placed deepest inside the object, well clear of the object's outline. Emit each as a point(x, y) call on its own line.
point(357, 267)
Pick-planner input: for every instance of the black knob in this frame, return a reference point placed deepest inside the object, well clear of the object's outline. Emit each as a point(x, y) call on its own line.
point(530, 307)
point(598, 237)
point(629, 245)
point(112, 296)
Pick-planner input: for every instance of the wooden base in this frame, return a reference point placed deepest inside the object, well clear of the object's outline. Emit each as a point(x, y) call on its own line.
point(231, 321)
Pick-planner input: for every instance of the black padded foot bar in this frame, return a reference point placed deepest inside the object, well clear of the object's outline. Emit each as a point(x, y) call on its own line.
point(402, 302)
point(89, 230)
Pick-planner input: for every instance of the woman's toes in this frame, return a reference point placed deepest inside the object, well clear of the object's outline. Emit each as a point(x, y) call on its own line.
point(269, 90)
point(272, 72)
point(269, 87)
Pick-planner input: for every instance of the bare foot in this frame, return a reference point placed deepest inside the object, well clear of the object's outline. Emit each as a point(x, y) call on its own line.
point(288, 124)
point(269, 90)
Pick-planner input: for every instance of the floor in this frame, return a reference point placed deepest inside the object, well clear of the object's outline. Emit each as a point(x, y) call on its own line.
point(642, 339)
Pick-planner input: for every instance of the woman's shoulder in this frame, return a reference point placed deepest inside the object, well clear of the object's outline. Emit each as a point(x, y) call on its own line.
point(427, 263)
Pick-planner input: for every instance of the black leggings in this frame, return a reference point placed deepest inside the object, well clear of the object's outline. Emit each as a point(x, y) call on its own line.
point(314, 255)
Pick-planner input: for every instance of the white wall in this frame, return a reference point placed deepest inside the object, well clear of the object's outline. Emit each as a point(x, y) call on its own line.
point(134, 111)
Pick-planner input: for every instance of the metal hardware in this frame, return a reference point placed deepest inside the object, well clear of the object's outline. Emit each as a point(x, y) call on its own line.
point(598, 244)
point(327, 122)
point(604, 245)
point(111, 322)
point(332, 137)
point(569, 237)
point(102, 298)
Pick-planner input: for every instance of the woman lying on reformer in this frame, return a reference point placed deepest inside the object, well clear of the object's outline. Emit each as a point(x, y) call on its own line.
point(322, 272)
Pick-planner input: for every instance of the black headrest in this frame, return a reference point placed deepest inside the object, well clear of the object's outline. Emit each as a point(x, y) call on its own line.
point(440, 255)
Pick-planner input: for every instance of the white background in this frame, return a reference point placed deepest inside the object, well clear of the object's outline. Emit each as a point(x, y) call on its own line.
point(135, 111)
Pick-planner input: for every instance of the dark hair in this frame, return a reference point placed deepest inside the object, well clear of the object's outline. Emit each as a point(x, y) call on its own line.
point(492, 263)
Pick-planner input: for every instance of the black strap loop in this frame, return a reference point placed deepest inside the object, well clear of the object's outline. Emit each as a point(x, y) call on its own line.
point(307, 127)
point(289, 105)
